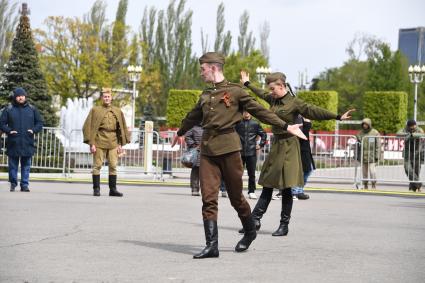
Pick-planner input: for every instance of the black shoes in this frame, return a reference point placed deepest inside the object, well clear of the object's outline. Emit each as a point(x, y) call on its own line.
point(12, 187)
point(303, 196)
point(282, 230)
point(249, 235)
point(25, 189)
point(211, 238)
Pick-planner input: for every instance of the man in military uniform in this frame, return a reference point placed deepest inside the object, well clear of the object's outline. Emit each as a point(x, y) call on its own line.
point(106, 132)
point(220, 109)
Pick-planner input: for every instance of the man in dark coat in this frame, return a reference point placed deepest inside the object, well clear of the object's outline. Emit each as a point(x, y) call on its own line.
point(306, 160)
point(413, 153)
point(20, 121)
point(248, 130)
point(193, 139)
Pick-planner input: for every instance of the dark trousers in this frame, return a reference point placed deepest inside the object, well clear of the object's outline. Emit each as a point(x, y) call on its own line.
point(250, 162)
point(25, 170)
point(212, 170)
point(412, 168)
point(194, 179)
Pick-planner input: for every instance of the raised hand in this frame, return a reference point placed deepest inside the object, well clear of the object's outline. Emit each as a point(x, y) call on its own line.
point(347, 115)
point(244, 76)
point(175, 140)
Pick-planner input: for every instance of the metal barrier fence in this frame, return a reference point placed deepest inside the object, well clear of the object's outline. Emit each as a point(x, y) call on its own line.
point(337, 157)
point(49, 150)
point(132, 161)
point(391, 159)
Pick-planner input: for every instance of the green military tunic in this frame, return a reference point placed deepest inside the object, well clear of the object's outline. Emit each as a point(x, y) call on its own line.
point(283, 167)
point(220, 109)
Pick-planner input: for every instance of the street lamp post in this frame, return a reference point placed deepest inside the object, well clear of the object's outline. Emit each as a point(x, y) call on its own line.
point(134, 76)
point(416, 74)
point(262, 72)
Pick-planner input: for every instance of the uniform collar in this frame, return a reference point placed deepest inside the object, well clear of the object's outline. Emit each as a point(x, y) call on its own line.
point(220, 84)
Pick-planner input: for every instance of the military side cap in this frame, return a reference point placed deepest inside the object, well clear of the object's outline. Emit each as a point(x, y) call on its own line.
point(275, 76)
point(106, 90)
point(212, 57)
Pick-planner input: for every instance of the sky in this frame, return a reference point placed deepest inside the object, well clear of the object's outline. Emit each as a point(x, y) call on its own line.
point(307, 36)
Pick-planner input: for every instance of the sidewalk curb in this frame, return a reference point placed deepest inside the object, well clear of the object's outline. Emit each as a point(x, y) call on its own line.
point(187, 185)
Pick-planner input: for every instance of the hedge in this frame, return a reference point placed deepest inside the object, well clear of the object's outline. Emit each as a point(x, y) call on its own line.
point(324, 99)
point(180, 102)
point(386, 109)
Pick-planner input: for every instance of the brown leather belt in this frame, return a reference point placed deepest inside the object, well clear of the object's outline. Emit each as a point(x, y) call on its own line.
point(282, 136)
point(214, 132)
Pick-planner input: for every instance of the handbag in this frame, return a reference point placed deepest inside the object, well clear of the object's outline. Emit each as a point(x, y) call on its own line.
point(189, 157)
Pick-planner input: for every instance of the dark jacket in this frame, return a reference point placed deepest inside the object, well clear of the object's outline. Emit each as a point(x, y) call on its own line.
point(193, 139)
point(306, 156)
point(414, 144)
point(248, 131)
point(20, 118)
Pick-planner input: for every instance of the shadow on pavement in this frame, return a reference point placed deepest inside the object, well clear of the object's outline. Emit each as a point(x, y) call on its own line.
point(176, 248)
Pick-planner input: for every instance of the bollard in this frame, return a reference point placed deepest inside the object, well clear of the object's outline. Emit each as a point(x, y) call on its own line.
point(148, 142)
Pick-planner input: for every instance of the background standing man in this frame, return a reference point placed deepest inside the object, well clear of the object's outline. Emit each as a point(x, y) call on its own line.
point(20, 121)
point(307, 160)
point(106, 132)
point(219, 109)
point(193, 140)
point(368, 139)
point(414, 150)
point(248, 130)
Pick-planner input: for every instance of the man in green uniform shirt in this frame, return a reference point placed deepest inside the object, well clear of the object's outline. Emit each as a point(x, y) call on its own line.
point(220, 109)
point(106, 132)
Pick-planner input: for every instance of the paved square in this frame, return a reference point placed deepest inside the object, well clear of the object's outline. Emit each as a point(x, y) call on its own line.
point(60, 233)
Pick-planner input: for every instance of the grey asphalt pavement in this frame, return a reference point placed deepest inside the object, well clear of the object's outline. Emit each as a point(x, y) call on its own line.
point(60, 233)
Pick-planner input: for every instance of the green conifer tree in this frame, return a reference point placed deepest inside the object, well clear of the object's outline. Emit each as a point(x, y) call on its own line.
point(23, 70)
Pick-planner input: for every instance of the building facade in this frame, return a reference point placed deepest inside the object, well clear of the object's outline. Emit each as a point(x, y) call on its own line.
point(411, 42)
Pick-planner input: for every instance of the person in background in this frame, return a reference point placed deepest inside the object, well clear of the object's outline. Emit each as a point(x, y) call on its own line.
point(223, 189)
point(249, 130)
point(193, 140)
point(370, 149)
point(414, 150)
point(20, 121)
point(306, 160)
point(105, 131)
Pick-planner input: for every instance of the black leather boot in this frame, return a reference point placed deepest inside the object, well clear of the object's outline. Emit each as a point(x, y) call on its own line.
point(113, 187)
point(285, 214)
point(96, 185)
point(258, 212)
point(261, 207)
point(249, 235)
point(211, 238)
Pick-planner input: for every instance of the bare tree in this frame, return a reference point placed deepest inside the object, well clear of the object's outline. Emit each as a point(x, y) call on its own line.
point(8, 21)
point(246, 41)
point(264, 37)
